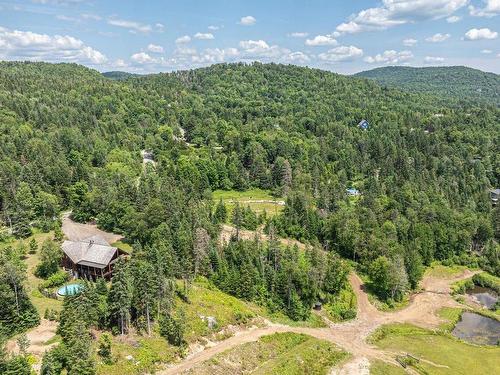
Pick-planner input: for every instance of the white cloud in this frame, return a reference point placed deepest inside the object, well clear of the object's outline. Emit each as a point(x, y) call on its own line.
point(132, 26)
point(160, 27)
point(410, 42)
point(486, 51)
point(298, 35)
point(398, 12)
point(453, 19)
point(321, 40)
point(185, 51)
point(142, 58)
point(477, 34)
point(437, 38)
point(491, 9)
point(297, 57)
point(62, 17)
point(433, 59)
point(213, 27)
point(119, 63)
point(342, 53)
point(183, 39)
point(90, 16)
point(155, 48)
point(26, 45)
point(390, 57)
point(259, 49)
point(204, 36)
point(215, 55)
point(247, 21)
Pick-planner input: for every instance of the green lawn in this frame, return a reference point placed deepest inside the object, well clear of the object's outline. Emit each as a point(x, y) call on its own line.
point(39, 301)
point(249, 198)
point(147, 354)
point(446, 355)
point(280, 353)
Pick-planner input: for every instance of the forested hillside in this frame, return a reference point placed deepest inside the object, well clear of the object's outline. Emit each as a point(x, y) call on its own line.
point(457, 82)
point(70, 139)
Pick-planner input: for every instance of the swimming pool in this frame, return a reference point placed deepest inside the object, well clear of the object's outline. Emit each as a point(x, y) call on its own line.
point(70, 289)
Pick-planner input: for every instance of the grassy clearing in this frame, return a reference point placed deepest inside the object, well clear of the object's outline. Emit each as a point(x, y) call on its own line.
point(252, 198)
point(447, 354)
point(123, 245)
point(441, 271)
point(452, 315)
point(31, 260)
point(378, 367)
point(205, 299)
point(147, 353)
point(280, 353)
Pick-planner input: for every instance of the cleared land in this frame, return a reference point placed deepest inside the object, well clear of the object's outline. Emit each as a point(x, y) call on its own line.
point(351, 336)
point(77, 231)
point(438, 353)
point(280, 353)
point(258, 200)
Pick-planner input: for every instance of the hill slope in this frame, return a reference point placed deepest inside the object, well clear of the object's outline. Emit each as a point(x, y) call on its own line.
point(454, 81)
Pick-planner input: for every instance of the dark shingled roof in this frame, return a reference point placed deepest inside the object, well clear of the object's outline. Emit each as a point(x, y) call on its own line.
point(92, 251)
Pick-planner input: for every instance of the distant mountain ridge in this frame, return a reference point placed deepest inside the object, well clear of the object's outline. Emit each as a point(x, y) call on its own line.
point(459, 82)
point(119, 75)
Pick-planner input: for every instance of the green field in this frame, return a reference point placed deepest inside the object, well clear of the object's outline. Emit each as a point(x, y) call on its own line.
point(438, 353)
point(280, 353)
point(252, 198)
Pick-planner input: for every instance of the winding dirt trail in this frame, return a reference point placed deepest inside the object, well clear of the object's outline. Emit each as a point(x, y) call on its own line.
point(352, 335)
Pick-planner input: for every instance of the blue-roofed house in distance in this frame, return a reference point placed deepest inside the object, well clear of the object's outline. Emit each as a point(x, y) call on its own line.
point(363, 124)
point(352, 192)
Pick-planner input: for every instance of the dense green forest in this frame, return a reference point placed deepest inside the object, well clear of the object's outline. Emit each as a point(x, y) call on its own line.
point(457, 82)
point(71, 139)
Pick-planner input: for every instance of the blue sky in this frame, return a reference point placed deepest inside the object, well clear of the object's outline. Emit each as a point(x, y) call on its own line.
point(342, 36)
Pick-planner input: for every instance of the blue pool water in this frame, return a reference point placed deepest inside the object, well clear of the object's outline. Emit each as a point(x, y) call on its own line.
point(70, 289)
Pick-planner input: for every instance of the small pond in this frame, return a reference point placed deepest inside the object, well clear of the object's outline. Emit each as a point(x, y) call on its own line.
point(477, 329)
point(70, 289)
point(485, 296)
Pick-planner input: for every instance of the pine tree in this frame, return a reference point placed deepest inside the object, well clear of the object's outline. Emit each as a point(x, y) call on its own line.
point(120, 296)
point(104, 350)
point(220, 215)
point(33, 246)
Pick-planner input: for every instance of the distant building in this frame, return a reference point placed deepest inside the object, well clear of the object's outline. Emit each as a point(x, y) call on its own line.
point(147, 156)
point(363, 124)
point(494, 195)
point(352, 192)
point(90, 258)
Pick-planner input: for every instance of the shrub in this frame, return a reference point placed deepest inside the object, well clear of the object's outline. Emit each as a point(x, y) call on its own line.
point(55, 280)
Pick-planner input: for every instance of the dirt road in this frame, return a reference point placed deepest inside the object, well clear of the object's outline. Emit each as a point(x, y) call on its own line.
point(352, 335)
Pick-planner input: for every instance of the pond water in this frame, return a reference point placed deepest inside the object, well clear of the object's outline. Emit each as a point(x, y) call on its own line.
point(477, 329)
point(485, 296)
point(70, 289)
